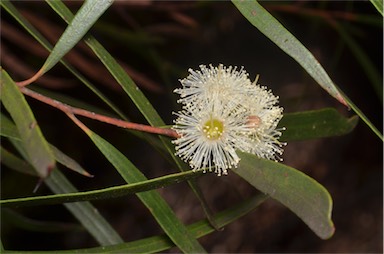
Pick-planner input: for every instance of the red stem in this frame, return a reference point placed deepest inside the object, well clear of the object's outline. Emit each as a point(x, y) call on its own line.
point(117, 122)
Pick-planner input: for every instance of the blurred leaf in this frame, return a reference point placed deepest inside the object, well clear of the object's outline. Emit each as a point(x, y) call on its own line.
point(99, 194)
point(88, 14)
point(309, 200)
point(36, 147)
point(151, 199)
point(321, 123)
point(25, 223)
point(158, 244)
point(12, 161)
point(23, 22)
point(362, 58)
point(378, 5)
point(8, 129)
point(85, 212)
point(271, 28)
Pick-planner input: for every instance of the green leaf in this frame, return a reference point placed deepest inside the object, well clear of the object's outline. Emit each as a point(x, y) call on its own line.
point(156, 244)
point(88, 14)
point(67, 161)
point(18, 220)
point(271, 28)
point(23, 22)
point(309, 200)
point(132, 90)
point(12, 161)
point(106, 193)
point(8, 129)
point(85, 212)
point(378, 5)
point(362, 58)
point(277, 33)
point(151, 199)
point(321, 123)
point(37, 148)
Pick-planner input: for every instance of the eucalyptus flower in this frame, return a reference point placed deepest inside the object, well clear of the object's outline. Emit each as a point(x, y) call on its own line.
point(224, 112)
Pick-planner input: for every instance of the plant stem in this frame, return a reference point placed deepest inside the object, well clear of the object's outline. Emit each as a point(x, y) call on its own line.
point(92, 115)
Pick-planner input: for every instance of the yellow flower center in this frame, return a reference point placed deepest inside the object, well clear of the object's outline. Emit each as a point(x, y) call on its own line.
point(213, 129)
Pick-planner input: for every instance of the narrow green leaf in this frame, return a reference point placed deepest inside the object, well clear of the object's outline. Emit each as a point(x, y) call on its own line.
point(321, 123)
point(132, 90)
point(362, 58)
point(364, 118)
point(309, 200)
point(271, 28)
point(67, 161)
point(157, 244)
point(25, 223)
point(152, 199)
point(88, 14)
point(29, 28)
point(85, 212)
point(37, 148)
point(8, 129)
point(378, 5)
point(99, 194)
point(12, 161)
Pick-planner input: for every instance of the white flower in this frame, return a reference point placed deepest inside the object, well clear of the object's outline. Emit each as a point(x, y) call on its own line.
point(223, 111)
point(210, 135)
point(214, 83)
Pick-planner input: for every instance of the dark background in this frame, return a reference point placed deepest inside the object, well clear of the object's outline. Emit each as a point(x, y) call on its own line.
point(157, 42)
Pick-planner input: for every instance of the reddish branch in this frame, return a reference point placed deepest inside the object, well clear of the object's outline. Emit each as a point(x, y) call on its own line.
point(69, 110)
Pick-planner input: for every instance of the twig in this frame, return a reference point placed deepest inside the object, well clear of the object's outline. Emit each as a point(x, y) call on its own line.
point(69, 110)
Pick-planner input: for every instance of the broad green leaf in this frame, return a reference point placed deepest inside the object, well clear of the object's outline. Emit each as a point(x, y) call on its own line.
point(321, 123)
point(86, 214)
point(88, 14)
point(37, 148)
point(309, 200)
point(158, 244)
point(378, 5)
point(28, 27)
point(151, 199)
point(99, 194)
point(278, 34)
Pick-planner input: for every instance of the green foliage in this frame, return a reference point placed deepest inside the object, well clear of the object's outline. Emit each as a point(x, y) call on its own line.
point(316, 124)
point(88, 14)
point(30, 153)
point(270, 27)
point(301, 194)
point(378, 5)
point(37, 148)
